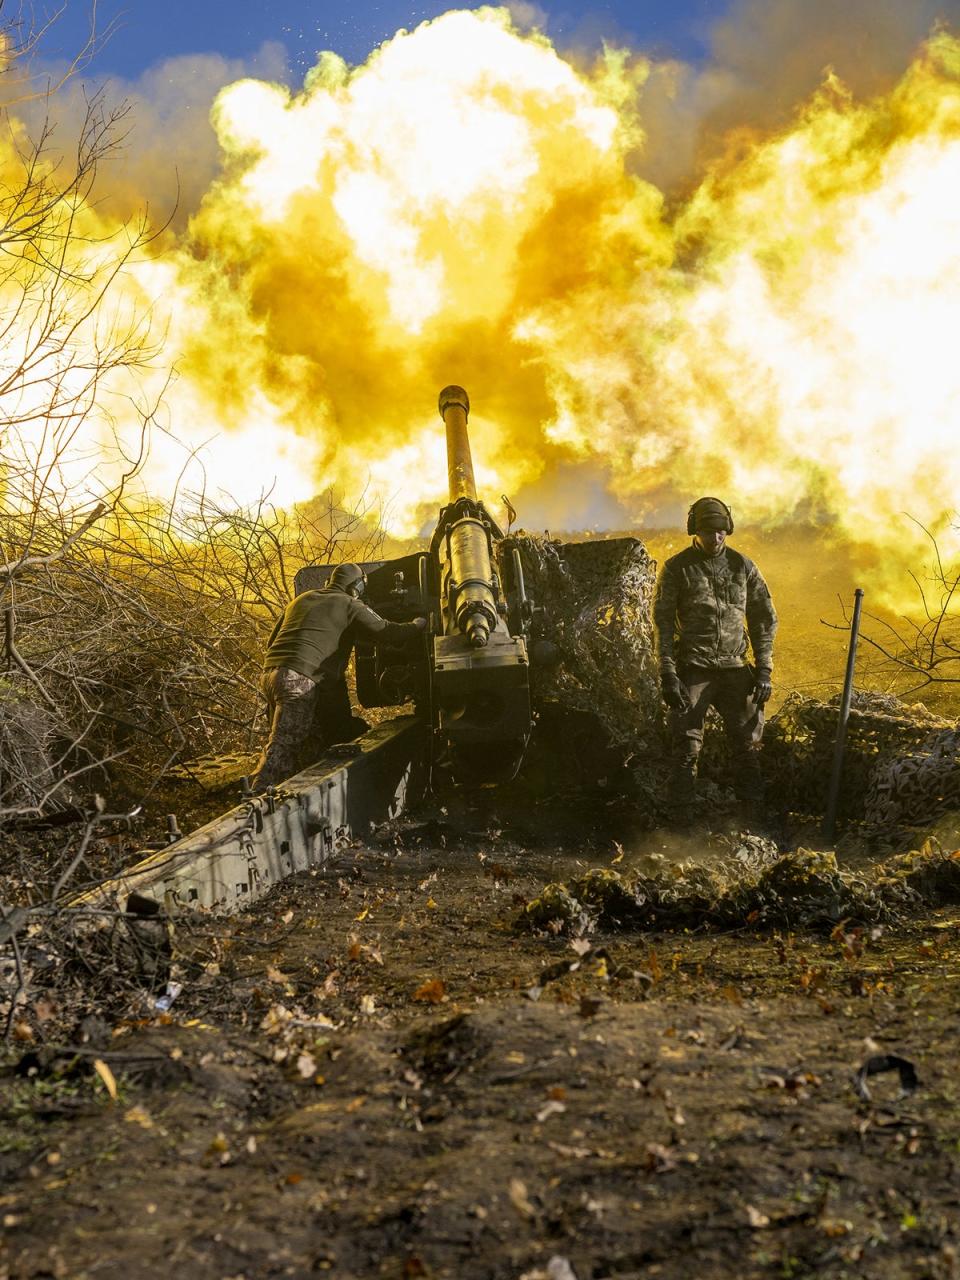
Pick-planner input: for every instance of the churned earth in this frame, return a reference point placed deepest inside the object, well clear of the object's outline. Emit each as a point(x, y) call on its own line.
point(374, 1072)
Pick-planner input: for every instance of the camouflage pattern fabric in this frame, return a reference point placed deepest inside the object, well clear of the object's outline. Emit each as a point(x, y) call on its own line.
point(901, 764)
point(706, 607)
point(730, 692)
point(291, 704)
point(915, 788)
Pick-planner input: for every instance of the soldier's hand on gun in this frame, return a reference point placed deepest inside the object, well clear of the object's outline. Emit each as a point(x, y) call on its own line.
point(762, 687)
point(673, 692)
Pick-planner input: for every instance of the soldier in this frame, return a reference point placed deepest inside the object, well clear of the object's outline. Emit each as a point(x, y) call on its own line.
point(710, 600)
point(304, 671)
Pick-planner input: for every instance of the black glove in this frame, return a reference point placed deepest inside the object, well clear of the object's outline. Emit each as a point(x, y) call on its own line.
point(674, 694)
point(762, 688)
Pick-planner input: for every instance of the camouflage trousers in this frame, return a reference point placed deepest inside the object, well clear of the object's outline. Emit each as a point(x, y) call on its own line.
point(305, 716)
point(730, 691)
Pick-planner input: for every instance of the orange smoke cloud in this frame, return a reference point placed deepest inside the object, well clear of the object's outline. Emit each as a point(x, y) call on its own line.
point(466, 207)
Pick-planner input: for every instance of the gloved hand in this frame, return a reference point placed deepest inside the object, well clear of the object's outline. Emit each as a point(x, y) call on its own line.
point(762, 688)
point(420, 624)
point(674, 694)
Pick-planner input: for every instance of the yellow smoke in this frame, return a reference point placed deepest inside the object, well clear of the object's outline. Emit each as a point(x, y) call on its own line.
point(465, 207)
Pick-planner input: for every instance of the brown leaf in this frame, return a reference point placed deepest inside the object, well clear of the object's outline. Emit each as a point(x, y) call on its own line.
point(432, 991)
point(653, 966)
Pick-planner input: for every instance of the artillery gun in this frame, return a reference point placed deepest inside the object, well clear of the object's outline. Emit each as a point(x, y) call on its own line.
point(468, 676)
point(471, 678)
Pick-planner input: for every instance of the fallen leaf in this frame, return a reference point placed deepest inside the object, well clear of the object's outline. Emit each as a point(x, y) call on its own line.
point(559, 1268)
point(275, 1019)
point(274, 975)
point(367, 1004)
point(138, 1115)
point(287, 917)
point(551, 1108)
point(757, 1219)
point(355, 1104)
point(519, 1198)
point(580, 945)
point(306, 1065)
point(653, 966)
point(431, 904)
point(219, 1149)
point(107, 1076)
point(659, 1159)
point(432, 991)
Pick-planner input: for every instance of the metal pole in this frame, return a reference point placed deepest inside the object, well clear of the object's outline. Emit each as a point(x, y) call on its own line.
point(833, 800)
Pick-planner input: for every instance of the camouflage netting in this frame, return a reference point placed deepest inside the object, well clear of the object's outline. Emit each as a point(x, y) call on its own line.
point(901, 764)
point(754, 886)
point(594, 601)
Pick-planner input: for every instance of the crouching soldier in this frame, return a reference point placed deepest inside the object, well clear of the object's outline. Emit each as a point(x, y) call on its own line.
point(304, 671)
point(710, 601)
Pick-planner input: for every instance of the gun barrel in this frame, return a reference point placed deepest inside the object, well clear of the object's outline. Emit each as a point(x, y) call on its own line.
point(454, 410)
point(472, 600)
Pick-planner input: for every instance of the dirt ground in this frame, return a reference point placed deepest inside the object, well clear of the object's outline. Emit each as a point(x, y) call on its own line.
point(373, 1073)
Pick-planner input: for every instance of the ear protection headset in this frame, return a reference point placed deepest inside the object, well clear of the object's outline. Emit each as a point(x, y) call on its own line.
point(692, 514)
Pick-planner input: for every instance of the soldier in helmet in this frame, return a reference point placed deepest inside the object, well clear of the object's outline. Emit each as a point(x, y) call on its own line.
point(304, 671)
point(711, 605)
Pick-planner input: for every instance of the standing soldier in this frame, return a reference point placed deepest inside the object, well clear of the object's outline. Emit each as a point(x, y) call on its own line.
point(304, 670)
point(710, 600)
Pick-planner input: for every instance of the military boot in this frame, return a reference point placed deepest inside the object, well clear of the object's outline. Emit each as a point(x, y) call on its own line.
point(681, 792)
point(748, 788)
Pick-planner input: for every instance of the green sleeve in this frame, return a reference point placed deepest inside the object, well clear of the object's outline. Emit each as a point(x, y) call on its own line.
point(665, 616)
point(761, 620)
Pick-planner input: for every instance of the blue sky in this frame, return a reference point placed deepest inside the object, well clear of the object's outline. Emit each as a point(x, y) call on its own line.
point(146, 31)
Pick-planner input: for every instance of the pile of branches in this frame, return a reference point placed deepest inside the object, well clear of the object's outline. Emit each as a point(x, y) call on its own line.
point(134, 634)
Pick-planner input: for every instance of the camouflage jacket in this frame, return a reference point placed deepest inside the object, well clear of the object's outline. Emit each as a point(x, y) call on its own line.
point(707, 606)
